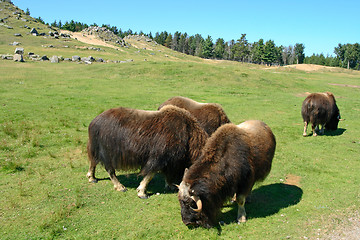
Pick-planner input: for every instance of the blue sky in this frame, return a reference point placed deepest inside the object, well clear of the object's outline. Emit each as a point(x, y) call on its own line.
point(318, 24)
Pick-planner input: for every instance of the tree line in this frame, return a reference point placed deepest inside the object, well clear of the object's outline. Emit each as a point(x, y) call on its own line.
point(260, 52)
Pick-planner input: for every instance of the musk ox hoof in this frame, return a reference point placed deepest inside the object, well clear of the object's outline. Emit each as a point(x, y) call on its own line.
point(304, 134)
point(241, 220)
point(143, 196)
point(93, 180)
point(120, 188)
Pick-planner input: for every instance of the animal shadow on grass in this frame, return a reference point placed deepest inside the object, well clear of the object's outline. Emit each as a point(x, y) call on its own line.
point(156, 185)
point(266, 201)
point(337, 132)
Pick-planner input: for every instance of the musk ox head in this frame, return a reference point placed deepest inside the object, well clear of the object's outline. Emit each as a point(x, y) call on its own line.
point(192, 212)
point(333, 122)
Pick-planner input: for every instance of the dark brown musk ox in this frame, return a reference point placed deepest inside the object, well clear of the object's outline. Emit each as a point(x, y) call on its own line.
point(165, 141)
point(232, 160)
point(210, 115)
point(320, 109)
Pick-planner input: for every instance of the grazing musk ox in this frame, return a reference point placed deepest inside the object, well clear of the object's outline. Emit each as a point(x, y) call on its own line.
point(165, 141)
point(232, 160)
point(210, 115)
point(320, 109)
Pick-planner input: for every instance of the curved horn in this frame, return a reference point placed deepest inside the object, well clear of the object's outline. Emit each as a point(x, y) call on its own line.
point(198, 202)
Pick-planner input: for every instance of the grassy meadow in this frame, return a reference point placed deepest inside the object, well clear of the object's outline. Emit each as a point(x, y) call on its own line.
point(45, 109)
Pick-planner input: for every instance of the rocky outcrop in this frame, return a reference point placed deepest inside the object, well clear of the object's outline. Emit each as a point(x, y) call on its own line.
point(104, 34)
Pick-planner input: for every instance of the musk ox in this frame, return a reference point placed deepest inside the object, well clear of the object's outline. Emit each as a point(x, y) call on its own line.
point(232, 160)
point(165, 141)
point(210, 115)
point(320, 109)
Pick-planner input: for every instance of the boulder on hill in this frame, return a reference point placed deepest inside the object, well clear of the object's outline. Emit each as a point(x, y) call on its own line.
point(75, 58)
point(54, 59)
point(19, 51)
point(18, 58)
point(33, 31)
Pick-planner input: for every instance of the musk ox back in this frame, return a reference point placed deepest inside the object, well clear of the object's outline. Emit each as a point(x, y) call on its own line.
point(210, 115)
point(233, 159)
point(320, 109)
point(165, 141)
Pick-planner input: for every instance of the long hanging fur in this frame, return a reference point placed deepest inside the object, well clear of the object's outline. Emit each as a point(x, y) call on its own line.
point(165, 141)
point(233, 159)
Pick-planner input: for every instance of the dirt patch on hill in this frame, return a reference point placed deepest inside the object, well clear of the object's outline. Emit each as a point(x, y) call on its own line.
point(88, 39)
point(344, 85)
point(308, 67)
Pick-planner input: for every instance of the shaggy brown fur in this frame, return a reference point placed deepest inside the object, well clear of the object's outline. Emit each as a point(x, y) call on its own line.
point(233, 159)
point(320, 109)
point(210, 115)
point(165, 141)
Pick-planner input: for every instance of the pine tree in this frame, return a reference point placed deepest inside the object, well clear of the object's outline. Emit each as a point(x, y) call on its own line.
point(269, 52)
point(241, 49)
point(219, 48)
point(207, 50)
point(168, 41)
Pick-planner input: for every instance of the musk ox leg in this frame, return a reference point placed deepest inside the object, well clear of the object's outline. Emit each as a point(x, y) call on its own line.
point(305, 128)
point(313, 127)
point(117, 185)
point(322, 129)
point(241, 217)
point(141, 189)
point(91, 173)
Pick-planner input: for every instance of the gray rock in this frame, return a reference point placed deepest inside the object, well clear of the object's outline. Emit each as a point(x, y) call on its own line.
point(19, 51)
point(76, 58)
point(90, 59)
point(18, 58)
point(44, 58)
point(7, 57)
point(17, 35)
point(15, 44)
point(34, 31)
point(54, 59)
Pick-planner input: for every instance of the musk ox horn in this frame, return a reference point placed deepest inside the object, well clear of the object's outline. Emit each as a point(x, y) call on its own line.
point(198, 202)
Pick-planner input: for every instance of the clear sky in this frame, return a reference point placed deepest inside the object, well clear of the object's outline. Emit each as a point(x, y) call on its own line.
point(318, 24)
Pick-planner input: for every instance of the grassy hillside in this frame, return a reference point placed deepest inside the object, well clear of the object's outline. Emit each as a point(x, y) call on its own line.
point(45, 109)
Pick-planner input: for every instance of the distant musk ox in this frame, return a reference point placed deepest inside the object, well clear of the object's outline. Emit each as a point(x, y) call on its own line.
point(320, 109)
point(165, 141)
point(232, 160)
point(210, 115)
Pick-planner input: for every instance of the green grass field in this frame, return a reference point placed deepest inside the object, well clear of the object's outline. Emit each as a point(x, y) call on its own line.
point(45, 109)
